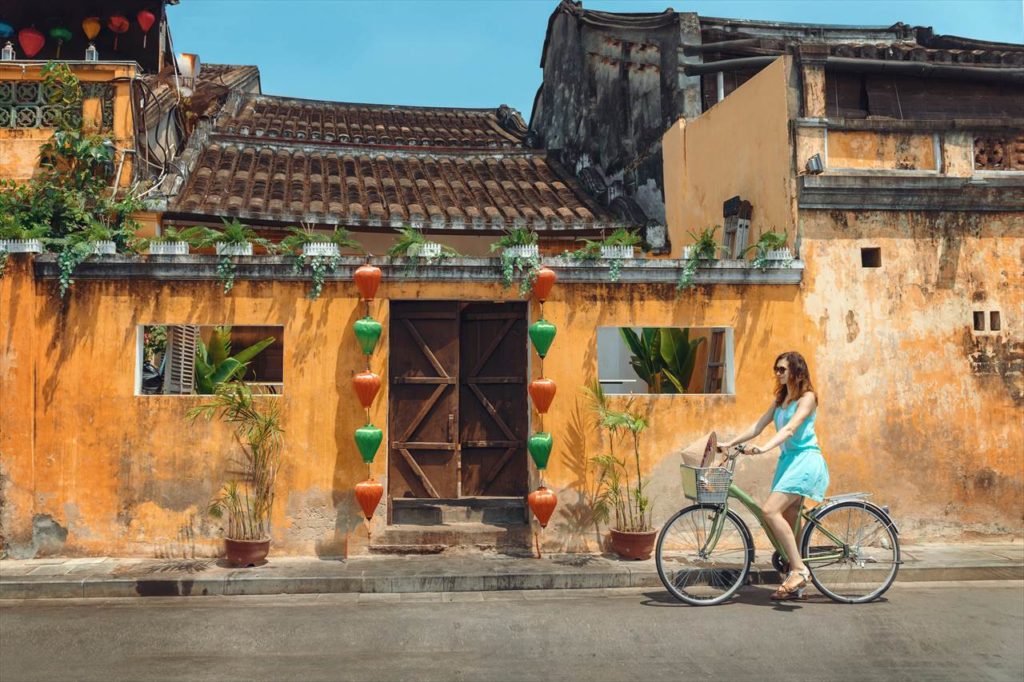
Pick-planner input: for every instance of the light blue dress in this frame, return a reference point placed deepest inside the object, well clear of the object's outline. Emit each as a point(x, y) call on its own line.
point(801, 469)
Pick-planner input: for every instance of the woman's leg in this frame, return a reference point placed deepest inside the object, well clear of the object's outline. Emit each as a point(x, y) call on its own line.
point(775, 509)
point(791, 512)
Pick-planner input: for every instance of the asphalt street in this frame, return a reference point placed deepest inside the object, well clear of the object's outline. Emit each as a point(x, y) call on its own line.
point(921, 631)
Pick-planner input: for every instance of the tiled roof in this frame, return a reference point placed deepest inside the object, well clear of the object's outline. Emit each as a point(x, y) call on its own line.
point(211, 89)
point(278, 161)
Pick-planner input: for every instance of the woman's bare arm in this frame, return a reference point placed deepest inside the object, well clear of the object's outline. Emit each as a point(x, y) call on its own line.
point(804, 408)
point(754, 431)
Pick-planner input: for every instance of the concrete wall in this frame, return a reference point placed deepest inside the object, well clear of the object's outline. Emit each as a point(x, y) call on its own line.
point(741, 146)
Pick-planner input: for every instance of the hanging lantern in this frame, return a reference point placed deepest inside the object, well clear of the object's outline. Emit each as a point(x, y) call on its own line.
point(368, 439)
point(546, 279)
point(542, 391)
point(61, 35)
point(542, 503)
point(91, 27)
point(146, 20)
point(542, 333)
point(366, 384)
point(118, 24)
point(31, 41)
point(368, 332)
point(6, 30)
point(539, 446)
point(368, 494)
point(367, 279)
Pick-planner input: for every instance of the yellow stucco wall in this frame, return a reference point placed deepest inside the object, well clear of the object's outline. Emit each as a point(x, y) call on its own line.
point(741, 146)
point(874, 150)
point(19, 147)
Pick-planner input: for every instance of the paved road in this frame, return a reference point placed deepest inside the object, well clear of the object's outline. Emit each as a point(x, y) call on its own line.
point(924, 631)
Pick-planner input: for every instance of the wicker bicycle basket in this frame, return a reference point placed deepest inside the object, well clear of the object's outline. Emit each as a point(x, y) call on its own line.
point(706, 485)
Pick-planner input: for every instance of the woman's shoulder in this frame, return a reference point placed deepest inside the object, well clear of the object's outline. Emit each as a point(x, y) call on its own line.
point(809, 397)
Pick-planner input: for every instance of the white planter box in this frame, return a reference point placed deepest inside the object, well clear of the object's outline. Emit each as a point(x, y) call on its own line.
point(233, 249)
point(617, 252)
point(21, 245)
point(780, 254)
point(325, 249)
point(104, 248)
point(425, 250)
point(525, 251)
point(168, 248)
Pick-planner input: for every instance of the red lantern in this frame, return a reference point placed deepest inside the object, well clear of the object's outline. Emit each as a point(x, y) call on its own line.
point(546, 278)
point(542, 504)
point(31, 41)
point(368, 494)
point(543, 392)
point(366, 384)
point(367, 279)
point(146, 20)
point(118, 24)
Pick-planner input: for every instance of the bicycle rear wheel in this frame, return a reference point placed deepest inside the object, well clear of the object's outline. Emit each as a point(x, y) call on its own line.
point(697, 571)
point(853, 552)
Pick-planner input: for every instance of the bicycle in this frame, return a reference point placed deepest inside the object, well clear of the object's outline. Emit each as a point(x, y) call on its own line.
point(705, 551)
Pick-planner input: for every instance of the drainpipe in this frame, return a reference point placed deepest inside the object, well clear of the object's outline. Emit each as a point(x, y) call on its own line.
point(728, 65)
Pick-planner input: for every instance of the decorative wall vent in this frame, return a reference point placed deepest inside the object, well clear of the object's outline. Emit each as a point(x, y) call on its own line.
point(26, 104)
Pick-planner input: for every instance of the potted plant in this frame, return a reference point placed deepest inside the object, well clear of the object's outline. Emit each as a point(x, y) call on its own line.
point(233, 239)
point(98, 239)
point(170, 242)
point(770, 247)
point(621, 493)
point(662, 357)
point(248, 499)
point(16, 239)
point(321, 251)
point(412, 244)
point(704, 248)
point(519, 253)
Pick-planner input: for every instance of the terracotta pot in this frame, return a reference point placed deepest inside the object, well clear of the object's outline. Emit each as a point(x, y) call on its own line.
point(368, 494)
point(546, 278)
point(542, 503)
point(543, 392)
point(243, 553)
point(367, 279)
point(633, 545)
point(366, 384)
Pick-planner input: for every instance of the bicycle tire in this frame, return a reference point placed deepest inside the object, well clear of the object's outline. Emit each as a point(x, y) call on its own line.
point(870, 555)
point(703, 581)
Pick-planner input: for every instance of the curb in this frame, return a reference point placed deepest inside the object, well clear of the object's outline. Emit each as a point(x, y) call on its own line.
point(247, 582)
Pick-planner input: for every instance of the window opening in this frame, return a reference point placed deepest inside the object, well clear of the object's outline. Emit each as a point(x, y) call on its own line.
point(665, 360)
point(994, 323)
point(979, 320)
point(871, 257)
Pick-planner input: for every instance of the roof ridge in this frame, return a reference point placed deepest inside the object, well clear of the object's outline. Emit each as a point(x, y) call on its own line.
point(371, 105)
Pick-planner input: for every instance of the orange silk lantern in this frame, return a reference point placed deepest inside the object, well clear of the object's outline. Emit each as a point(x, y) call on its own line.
point(118, 24)
point(91, 27)
point(146, 20)
point(543, 392)
point(366, 384)
point(31, 41)
point(367, 280)
point(368, 494)
point(542, 504)
point(546, 279)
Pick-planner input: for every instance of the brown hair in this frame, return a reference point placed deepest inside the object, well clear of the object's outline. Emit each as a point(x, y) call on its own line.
point(797, 370)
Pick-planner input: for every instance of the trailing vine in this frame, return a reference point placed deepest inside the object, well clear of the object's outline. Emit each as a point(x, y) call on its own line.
point(226, 270)
point(319, 266)
point(526, 266)
point(705, 248)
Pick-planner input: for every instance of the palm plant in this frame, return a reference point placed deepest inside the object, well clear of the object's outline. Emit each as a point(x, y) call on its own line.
point(300, 237)
point(645, 355)
point(215, 365)
point(233, 233)
point(768, 241)
point(526, 265)
point(679, 355)
point(704, 248)
point(248, 499)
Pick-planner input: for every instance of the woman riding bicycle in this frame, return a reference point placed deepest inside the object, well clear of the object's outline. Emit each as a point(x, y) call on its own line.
point(801, 471)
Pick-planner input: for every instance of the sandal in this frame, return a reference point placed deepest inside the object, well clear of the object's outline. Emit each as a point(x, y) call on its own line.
point(792, 587)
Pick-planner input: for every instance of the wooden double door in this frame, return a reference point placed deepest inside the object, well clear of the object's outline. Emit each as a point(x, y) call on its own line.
point(457, 418)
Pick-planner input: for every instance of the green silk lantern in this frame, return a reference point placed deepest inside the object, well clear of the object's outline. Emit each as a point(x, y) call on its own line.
point(368, 439)
point(539, 446)
point(542, 333)
point(61, 35)
point(368, 332)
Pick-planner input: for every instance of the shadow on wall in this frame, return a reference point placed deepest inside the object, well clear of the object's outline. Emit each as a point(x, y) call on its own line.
point(577, 519)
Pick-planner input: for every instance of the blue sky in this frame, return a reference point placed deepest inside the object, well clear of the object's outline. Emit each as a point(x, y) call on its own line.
point(482, 53)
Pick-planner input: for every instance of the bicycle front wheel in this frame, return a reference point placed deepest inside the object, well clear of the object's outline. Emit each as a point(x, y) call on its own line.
point(853, 552)
point(703, 554)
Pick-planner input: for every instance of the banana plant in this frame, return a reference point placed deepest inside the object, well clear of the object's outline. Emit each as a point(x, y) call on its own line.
point(678, 355)
point(646, 358)
point(215, 365)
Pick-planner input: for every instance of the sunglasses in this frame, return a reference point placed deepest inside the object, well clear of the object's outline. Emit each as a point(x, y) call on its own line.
point(781, 370)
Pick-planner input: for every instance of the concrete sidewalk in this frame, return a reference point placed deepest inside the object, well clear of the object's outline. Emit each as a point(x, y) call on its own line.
point(110, 577)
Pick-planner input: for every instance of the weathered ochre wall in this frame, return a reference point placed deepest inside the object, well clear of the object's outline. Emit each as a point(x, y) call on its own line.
point(19, 147)
point(863, 149)
point(126, 474)
point(741, 146)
